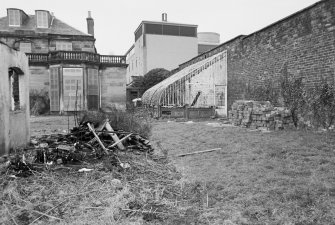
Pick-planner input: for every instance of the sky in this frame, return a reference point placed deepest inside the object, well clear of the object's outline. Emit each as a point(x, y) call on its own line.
point(116, 20)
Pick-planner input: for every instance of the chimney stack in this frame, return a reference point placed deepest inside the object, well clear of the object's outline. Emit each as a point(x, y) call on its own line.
point(90, 24)
point(164, 17)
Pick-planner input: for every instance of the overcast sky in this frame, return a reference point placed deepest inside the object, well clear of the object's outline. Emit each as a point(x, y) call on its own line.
point(116, 20)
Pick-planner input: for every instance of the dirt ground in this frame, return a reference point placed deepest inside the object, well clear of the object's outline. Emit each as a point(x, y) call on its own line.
point(281, 177)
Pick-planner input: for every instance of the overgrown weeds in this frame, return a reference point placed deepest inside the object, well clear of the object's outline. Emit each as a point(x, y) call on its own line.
point(310, 106)
point(135, 121)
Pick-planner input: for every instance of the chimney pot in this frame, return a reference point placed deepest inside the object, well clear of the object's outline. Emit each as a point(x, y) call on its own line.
point(164, 17)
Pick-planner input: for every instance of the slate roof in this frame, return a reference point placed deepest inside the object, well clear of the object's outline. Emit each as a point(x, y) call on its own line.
point(57, 27)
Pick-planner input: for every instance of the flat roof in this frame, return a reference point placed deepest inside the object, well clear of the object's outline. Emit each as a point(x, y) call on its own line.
point(164, 22)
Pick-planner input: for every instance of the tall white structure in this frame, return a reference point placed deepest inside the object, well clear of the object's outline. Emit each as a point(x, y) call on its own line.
point(160, 45)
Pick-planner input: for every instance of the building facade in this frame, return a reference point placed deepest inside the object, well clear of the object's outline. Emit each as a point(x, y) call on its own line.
point(14, 99)
point(160, 45)
point(63, 61)
point(207, 41)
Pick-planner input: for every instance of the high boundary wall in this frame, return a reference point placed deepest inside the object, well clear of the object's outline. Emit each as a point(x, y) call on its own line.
point(303, 42)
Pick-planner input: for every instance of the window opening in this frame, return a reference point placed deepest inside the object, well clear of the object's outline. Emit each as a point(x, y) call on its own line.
point(14, 17)
point(14, 88)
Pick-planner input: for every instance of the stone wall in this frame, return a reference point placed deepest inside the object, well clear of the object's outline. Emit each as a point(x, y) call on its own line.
point(44, 45)
point(113, 87)
point(304, 43)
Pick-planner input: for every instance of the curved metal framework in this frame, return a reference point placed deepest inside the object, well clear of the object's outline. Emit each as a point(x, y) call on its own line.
point(180, 89)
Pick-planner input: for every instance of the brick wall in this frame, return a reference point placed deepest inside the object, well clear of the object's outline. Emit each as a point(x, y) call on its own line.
point(113, 87)
point(303, 42)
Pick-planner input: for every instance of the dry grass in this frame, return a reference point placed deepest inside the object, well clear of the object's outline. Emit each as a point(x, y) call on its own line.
point(257, 178)
point(273, 178)
point(146, 193)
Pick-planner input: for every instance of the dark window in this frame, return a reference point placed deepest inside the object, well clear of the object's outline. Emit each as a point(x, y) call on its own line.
point(171, 30)
point(138, 33)
point(188, 31)
point(14, 87)
point(153, 28)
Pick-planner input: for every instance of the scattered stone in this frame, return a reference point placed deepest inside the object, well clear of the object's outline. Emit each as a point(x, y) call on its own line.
point(260, 114)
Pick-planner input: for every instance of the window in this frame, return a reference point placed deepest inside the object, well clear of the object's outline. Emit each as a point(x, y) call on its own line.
point(171, 30)
point(14, 87)
point(25, 47)
point(14, 17)
point(188, 31)
point(42, 19)
point(153, 29)
point(63, 46)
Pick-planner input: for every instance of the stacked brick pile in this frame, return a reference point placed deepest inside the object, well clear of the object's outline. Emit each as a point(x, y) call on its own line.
point(260, 115)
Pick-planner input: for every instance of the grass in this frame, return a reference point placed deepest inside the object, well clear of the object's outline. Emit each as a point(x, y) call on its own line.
point(284, 177)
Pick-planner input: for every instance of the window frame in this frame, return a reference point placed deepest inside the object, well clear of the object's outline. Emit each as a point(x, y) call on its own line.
point(42, 19)
point(61, 44)
point(16, 18)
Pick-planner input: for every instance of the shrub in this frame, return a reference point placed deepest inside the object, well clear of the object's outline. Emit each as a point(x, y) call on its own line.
point(132, 121)
point(39, 102)
point(320, 102)
point(292, 91)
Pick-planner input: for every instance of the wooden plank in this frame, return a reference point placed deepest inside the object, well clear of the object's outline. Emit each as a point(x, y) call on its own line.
point(98, 139)
point(119, 142)
point(198, 152)
point(114, 136)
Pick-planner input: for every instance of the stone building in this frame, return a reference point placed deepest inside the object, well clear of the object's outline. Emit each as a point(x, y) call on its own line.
point(63, 61)
point(14, 99)
point(302, 44)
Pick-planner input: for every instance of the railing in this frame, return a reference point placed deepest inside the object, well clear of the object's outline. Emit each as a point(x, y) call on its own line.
point(40, 57)
point(113, 59)
point(75, 56)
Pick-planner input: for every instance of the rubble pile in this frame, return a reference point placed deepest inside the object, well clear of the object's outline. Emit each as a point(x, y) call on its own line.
point(260, 115)
point(87, 142)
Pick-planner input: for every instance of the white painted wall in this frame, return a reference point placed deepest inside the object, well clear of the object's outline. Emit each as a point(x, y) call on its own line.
point(136, 60)
point(163, 51)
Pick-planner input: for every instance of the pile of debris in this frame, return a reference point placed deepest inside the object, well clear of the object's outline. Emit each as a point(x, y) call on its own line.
point(83, 144)
point(260, 115)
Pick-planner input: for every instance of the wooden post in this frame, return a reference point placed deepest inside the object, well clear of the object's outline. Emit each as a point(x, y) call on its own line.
point(120, 141)
point(114, 136)
point(98, 139)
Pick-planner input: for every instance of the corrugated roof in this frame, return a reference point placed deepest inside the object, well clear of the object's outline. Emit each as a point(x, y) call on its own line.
point(57, 27)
